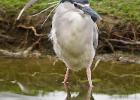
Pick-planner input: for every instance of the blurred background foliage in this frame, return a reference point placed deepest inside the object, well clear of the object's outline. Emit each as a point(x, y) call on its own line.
point(124, 9)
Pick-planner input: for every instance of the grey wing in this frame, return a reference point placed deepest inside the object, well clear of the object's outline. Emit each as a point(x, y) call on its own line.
point(95, 36)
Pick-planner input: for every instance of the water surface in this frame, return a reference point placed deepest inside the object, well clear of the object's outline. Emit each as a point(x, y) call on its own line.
point(40, 79)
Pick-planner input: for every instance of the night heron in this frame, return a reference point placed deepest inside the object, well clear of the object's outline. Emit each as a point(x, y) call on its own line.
point(74, 34)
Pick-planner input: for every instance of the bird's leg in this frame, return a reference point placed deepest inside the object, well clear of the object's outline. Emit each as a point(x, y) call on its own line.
point(66, 76)
point(88, 71)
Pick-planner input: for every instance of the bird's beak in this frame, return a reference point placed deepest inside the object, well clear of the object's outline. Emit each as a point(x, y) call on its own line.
point(30, 3)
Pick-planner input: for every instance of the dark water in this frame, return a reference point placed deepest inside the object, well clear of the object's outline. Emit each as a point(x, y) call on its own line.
point(40, 79)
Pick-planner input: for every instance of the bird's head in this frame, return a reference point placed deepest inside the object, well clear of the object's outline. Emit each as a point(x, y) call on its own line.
point(31, 2)
point(77, 1)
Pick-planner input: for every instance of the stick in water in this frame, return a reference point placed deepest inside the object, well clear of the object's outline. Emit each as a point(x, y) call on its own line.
point(96, 64)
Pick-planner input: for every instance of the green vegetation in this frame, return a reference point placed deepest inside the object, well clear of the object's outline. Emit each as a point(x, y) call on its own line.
point(12, 3)
point(124, 9)
point(18, 4)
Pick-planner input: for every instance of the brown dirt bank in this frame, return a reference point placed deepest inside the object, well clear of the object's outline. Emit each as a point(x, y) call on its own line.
point(19, 35)
point(115, 34)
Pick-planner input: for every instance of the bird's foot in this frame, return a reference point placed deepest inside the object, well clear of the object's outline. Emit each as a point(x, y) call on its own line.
point(91, 86)
point(65, 82)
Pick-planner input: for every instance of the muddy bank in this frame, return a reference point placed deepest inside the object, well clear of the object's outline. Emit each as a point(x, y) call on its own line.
point(19, 35)
point(115, 34)
point(119, 57)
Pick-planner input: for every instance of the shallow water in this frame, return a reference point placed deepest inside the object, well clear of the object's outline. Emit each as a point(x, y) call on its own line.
point(40, 79)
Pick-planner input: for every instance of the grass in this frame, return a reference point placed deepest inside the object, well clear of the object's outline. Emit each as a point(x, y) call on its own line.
point(19, 4)
point(124, 9)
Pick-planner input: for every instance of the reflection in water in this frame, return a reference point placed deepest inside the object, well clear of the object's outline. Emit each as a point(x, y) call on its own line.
point(116, 97)
point(60, 95)
point(23, 88)
point(38, 79)
point(84, 94)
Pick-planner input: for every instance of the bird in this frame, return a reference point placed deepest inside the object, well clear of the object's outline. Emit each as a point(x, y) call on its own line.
point(74, 35)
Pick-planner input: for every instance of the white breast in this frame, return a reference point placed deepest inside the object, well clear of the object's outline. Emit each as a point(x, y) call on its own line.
point(72, 35)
